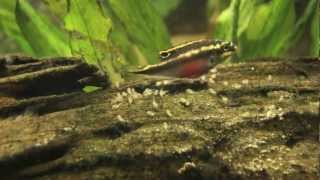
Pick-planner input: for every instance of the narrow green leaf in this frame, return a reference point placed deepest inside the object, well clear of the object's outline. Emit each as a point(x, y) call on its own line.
point(89, 89)
point(10, 27)
point(302, 22)
point(226, 28)
point(283, 13)
point(267, 31)
point(315, 34)
point(235, 20)
point(43, 36)
point(215, 7)
point(164, 7)
point(142, 25)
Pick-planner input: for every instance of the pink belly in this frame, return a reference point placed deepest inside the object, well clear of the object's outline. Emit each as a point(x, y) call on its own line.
point(194, 68)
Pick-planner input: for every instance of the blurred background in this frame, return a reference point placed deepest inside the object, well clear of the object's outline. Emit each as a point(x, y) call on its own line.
point(260, 22)
point(114, 34)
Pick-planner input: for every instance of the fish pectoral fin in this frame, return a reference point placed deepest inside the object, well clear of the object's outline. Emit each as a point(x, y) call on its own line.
point(134, 69)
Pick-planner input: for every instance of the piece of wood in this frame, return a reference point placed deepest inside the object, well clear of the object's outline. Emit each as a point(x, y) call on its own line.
point(250, 121)
point(23, 77)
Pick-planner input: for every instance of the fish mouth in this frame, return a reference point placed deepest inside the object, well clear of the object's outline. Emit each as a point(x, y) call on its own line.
point(231, 50)
point(227, 54)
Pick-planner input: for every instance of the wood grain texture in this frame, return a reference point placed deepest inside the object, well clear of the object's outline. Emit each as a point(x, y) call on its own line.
point(248, 121)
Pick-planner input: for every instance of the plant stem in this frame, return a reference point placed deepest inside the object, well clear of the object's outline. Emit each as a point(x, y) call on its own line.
point(235, 21)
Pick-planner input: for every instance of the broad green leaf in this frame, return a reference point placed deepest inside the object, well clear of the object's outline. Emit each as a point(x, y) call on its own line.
point(247, 9)
point(10, 27)
point(120, 39)
point(164, 7)
point(268, 29)
point(142, 25)
point(223, 28)
point(87, 27)
point(85, 18)
point(255, 29)
point(58, 7)
point(89, 35)
point(43, 36)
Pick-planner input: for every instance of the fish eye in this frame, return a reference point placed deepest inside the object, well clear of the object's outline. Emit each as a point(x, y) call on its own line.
point(229, 47)
point(226, 48)
point(164, 55)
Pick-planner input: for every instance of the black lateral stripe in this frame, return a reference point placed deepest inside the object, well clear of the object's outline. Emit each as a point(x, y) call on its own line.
point(172, 62)
point(185, 47)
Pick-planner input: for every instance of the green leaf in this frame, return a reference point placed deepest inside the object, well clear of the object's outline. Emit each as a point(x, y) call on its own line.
point(247, 10)
point(315, 34)
point(289, 38)
point(85, 30)
point(85, 18)
point(267, 31)
point(284, 19)
point(58, 7)
point(215, 7)
point(226, 28)
point(164, 7)
point(9, 25)
point(142, 25)
point(89, 89)
point(43, 36)
point(255, 29)
point(224, 24)
point(120, 39)
point(89, 35)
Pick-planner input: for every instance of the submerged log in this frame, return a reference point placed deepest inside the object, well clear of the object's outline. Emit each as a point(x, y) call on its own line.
point(23, 77)
point(250, 120)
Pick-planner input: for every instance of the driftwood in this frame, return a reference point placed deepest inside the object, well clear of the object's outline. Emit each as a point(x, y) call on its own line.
point(249, 120)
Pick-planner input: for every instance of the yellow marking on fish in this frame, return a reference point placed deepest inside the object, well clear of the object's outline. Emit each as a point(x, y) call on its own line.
point(181, 46)
point(186, 53)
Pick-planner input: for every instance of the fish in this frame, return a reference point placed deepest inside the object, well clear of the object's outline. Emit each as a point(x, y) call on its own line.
point(189, 60)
